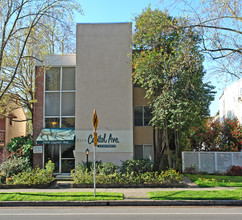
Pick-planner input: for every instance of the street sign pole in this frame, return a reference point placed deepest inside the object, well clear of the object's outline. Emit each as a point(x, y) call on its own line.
point(95, 123)
point(94, 171)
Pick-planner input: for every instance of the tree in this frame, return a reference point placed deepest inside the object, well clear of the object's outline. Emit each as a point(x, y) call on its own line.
point(216, 136)
point(29, 30)
point(168, 65)
point(220, 24)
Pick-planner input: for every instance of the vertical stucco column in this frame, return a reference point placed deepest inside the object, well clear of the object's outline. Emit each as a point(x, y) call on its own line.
point(104, 83)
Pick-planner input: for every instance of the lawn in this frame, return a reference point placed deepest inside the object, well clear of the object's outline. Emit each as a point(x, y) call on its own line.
point(215, 181)
point(235, 194)
point(60, 196)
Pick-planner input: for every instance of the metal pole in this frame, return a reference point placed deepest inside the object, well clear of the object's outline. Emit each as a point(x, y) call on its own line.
point(94, 171)
point(87, 163)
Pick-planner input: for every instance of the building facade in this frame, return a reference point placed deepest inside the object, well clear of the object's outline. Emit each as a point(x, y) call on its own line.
point(230, 102)
point(13, 125)
point(70, 87)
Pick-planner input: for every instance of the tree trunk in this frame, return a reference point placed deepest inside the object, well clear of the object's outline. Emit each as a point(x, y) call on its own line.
point(167, 145)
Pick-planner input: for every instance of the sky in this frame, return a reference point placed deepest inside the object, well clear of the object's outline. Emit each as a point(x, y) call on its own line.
point(108, 11)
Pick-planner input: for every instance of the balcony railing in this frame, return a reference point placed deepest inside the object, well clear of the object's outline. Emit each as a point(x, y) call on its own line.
point(2, 136)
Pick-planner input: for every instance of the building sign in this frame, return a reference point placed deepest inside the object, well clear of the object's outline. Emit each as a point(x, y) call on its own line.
point(37, 150)
point(119, 141)
point(105, 140)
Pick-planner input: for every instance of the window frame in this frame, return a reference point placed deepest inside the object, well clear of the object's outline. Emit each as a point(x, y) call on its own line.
point(143, 116)
point(143, 147)
point(60, 93)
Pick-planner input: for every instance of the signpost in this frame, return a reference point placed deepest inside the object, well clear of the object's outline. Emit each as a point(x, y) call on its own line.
point(95, 123)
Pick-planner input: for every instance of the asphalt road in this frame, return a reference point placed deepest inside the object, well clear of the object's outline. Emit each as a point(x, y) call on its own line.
point(118, 213)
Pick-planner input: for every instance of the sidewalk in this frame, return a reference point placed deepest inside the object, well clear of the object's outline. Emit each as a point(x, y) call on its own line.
point(132, 197)
point(129, 193)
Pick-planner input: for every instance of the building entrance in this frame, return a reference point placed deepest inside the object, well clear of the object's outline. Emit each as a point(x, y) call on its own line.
point(61, 155)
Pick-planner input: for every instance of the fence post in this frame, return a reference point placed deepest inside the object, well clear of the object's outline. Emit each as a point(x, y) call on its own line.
point(215, 162)
point(199, 161)
point(183, 162)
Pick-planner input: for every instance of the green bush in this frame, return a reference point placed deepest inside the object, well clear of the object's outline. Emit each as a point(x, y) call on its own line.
point(21, 146)
point(107, 168)
point(136, 166)
point(33, 177)
point(169, 176)
point(13, 166)
point(82, 167)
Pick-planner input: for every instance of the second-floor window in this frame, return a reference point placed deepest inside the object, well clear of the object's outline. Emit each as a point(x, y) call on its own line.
point(142, 115)
point(60, 97)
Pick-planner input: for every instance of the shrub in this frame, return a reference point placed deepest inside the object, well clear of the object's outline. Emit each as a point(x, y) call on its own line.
point(21, 146)
point(235, 171)
point(169, 176)
point(191, 170)
point(34, 177)
point(136, 166)
point(82, 167)
point(107, 168)
point(13, 166)
point(216, 136)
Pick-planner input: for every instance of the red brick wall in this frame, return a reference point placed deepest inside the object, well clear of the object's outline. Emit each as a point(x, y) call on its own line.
point(38, 111)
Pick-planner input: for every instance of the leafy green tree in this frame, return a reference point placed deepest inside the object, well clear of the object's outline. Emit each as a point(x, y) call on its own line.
point(21, 146)
point(28, 31)
point(168, 65)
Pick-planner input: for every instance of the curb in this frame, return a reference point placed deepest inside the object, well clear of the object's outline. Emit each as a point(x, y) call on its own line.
point(124, 203)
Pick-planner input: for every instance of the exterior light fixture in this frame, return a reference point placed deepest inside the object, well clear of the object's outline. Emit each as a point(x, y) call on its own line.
point(87, 153)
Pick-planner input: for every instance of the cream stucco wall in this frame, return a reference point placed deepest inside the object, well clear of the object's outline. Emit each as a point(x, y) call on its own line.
point(104, 83)
point(17, 128)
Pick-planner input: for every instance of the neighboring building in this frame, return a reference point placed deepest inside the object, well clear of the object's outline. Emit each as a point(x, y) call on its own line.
point(14, 125)
point(98, 77)
point(230, 102)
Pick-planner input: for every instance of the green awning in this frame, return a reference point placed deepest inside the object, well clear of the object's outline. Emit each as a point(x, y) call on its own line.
point(56, 136)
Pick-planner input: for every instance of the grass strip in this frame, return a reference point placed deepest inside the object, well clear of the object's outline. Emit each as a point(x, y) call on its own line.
point(215, 181)
point(59, 196)
point(225, 194)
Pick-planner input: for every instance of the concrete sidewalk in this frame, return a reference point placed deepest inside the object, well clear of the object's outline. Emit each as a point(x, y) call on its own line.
point(132, 197)
point(129, 193)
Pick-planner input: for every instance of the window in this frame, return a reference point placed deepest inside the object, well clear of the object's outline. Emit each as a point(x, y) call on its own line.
point(60, 97)
point(142, 115)
point(143, 151)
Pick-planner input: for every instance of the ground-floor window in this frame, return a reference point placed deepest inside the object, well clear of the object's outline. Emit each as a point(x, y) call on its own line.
point(62, 155)
point(143, 151)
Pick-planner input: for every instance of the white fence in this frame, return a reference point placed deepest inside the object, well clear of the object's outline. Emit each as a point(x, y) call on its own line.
point(210, 162)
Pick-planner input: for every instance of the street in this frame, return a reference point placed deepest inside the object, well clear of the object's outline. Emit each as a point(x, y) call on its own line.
point(118, 213)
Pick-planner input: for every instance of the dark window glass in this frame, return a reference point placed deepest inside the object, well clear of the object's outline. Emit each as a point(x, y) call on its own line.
point(52, 104)
point(68, 122)
point(68, 78)
point(67, 165)
point(52, 153)
point(67, 151)
point(138, 116)
point(52, 122)
point(138, 152)
point(68, 104)
point(147, 115)
point(52, 79)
